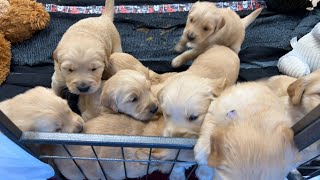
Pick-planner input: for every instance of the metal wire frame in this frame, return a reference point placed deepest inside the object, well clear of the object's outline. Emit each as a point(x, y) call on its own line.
point(30, 138)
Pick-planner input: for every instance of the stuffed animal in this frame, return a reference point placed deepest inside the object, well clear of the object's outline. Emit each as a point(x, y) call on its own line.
point(304, 57)
point(19, 20)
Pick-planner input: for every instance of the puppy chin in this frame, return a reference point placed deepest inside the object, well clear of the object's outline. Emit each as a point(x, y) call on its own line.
point(191, 45)
point(144, 117)
point(74, 90)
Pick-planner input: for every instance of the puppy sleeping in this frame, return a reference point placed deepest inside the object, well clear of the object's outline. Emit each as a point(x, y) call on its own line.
point(300, 96)
point(208, 25)
point(39, 109)
point(118, 124)
point(126, 92)
point(247, 136)
point(83, 52)
point(120, 61)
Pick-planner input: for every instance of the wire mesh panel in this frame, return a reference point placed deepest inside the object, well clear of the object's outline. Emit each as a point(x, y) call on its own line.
point(94, 142)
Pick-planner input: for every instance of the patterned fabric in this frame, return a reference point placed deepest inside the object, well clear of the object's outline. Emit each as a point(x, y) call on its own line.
point(164, 8)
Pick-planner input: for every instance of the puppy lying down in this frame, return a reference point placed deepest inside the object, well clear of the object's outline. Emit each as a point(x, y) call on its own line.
point(208, 25)
point(39, 109)
point(127, 92)
point(120, 61)
point(246, 135)
point(186, 96)
point(300, 96)
point(83, 52)
point(117, 124)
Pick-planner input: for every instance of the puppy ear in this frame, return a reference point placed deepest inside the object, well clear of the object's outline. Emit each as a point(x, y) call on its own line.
point(193, 6)
point(218, 85)
point(219, 21)
point(296, 90)
point(55, 55)
point(108, 99)
point(216, 156)
point(160, 95)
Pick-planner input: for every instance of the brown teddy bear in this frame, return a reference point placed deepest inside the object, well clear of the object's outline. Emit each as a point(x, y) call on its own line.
point(19, 19)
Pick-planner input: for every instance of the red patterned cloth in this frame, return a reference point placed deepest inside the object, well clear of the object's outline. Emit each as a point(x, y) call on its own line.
point(163, 8)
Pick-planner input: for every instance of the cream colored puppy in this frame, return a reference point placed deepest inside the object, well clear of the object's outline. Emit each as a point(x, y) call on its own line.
point(83, 52)
point(39, 109)
point(186, 96)
point(120, 61)
point(121, 125)
point(300, 96)
point(208, 25)
point(247, 135)
point(127, 92)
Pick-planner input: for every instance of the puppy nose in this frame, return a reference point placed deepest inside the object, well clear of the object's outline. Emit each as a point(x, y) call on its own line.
point(79, 127)
point(191, 36)
point(83, 87)
point(154, 109)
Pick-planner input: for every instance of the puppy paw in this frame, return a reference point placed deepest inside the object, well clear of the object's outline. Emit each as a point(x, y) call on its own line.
point(202, 151)
point(177, 174)
point(204, 173)
point(179, 48)
point(176, 62)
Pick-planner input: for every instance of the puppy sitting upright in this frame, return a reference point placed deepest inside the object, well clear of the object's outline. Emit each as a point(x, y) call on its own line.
point(82, 54)
point(208, 25)
point(39, 109)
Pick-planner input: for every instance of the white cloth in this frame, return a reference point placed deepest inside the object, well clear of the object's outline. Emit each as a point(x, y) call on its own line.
point(17, 164)
point(304, 57)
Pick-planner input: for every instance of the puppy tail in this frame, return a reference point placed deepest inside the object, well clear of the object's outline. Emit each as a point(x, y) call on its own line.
point(251, 17)
point(109, 9)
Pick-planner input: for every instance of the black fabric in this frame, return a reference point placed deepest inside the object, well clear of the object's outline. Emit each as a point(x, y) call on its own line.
point(288, 6)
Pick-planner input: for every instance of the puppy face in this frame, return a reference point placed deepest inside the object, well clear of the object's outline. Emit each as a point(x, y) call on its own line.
point(129, 92)
point(305, 91)
point(81, 65)
point(41, 110)
point(202, 23)
point(185, 100)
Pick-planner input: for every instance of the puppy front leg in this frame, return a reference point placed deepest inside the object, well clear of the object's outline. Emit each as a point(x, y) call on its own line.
point(205, 173)
point(184, 57)
point(181, 44)
point(178, 172)
point(57, 84)
point(202, 148)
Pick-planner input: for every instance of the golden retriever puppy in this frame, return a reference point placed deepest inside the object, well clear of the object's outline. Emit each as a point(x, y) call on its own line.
point(186, 96)
point(120, 61)
point(127, 92)
point(300, 96)
point(247, 135)
point(83, 52)
point(208, 25)
point(39, 109)
point(121, 125)
point(278, 84)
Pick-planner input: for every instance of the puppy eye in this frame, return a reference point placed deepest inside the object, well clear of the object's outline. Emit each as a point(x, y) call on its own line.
point(191, 20)
point(193, 118)
point(134, 99)
point(70, 70)
point(205, 28)
point(93, 69)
